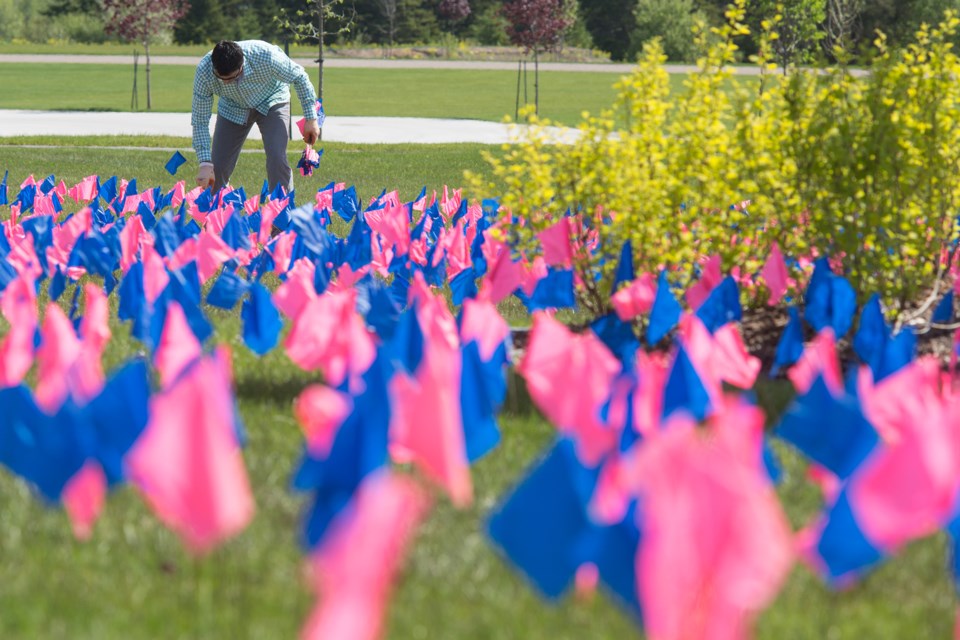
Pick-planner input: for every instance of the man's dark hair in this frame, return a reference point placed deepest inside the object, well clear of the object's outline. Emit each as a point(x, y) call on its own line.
point(227, 57)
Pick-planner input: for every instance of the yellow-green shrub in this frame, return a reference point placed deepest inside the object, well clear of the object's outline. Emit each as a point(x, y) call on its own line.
point(831, 163)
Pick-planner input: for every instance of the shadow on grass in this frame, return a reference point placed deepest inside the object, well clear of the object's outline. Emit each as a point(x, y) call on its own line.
point(281, 392)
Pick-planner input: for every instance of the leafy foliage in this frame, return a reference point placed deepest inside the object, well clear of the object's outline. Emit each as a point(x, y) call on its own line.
point(670, 20)
point(141, 20)
point(865, 169)
point(536, 25)
point(797, 27)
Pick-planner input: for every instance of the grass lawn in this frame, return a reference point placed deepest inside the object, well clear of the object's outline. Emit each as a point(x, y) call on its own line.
point(426, 93)
point(371, 168)
point(133, 580)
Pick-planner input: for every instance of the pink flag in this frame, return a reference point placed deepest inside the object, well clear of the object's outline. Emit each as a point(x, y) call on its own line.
point(533, 273)
point(83, 497)
point(130, 242)
point(555, 241)
point(329, 335)
point(178, 195)
point(155, 276)
point(449, 203)
point(252, 204)
point(774, 273)
point(65, 237)
point(908, 488)
point(503, 274)
point(454, 242)
point(354, 567)
point(188, 464)
point(23, 257)
point(178, 346)
point(716, 546)
point(269, 213)
point(85, 190)
point(711, 277)
point(19, 305)
point(297, 290)
point(95, 326)
point(819, 358)
point(636, 298)
point(212, 252)
point(569, 377)
point(426, 426)
point(281, 250)
point(731, 359)
point(321, 410)
point(43, 205)
point(182, 255)
point(648, 400)
point(58, 352)
point(481, 321)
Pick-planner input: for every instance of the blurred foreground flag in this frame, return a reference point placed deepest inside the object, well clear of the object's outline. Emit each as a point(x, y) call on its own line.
point(188, 463)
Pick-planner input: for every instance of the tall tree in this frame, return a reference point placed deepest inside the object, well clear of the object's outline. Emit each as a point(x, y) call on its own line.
point(141, 21)
point(537, 26)
point(900, 19)
point(797, 25)
point(316, 20)
point(840, 27)
point(610, 25)
point(65, 7)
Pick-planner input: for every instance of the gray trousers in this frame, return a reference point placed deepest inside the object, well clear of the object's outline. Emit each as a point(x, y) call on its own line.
point(228, 139)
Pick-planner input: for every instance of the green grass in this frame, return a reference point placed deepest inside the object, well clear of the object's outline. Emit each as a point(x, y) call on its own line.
point(371, 168)
point(133, 580)
point(426, 93)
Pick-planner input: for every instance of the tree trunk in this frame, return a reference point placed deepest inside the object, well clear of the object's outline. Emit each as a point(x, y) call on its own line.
point(516, 115)
point(320, 60)
point(536, 82)
point(146, 51)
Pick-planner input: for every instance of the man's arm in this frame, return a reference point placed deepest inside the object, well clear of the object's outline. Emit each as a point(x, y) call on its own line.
point(202, 110)
point(290, 72)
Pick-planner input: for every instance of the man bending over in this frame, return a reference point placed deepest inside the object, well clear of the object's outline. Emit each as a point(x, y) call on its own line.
point(251, 78)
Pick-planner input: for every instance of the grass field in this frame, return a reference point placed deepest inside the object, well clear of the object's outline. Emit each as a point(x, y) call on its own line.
point(132, 580)
point(371, 168)
point(427, 93)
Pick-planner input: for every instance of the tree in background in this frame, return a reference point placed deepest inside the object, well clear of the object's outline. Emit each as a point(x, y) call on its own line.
point(536, 26)
point(900, 19)
point(840, 27)
point(453, 13)
point(673, 22)
point(388, 9)
point(609, 24)
point(315, 21)
point(141, 21)
point(796, 24)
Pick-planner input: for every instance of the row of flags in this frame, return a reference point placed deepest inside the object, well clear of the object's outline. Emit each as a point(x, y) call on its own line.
point(659, 486)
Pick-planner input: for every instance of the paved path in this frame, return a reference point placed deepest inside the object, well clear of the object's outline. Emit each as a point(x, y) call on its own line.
point(377, 63)
point(356, 63)
point(336, 128)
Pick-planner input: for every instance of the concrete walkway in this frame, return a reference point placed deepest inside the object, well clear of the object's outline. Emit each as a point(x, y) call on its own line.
point(377, 63)
point(353, 63)
point(335, 129)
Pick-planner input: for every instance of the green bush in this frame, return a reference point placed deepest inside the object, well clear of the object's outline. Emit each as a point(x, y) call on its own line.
point(863, 168)
point(489, 27)
point(78, 27)
point(670, 20)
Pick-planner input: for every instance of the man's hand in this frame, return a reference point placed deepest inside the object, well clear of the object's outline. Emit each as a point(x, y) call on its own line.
point(205, 175)
point(310, 131)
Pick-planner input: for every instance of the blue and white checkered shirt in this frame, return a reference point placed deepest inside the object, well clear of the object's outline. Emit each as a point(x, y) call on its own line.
point(267, 72)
